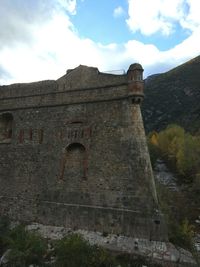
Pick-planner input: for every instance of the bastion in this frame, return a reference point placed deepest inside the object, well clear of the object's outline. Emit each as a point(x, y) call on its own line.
point(73, 153)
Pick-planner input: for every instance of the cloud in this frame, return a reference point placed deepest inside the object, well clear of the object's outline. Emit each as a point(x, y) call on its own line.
point(4, 75)
point(19, 18)
point(47, 44)
point(162, 16)
point(69, 5)
point(118, 12)
point(192, 20)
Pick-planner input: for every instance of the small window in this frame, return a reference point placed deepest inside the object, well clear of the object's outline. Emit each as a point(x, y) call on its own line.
point(6, 123)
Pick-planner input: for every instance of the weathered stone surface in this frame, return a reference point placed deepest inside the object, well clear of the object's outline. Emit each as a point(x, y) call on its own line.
point(164, 176)
point(4, 258)
point(77, 155)
point(158, 251)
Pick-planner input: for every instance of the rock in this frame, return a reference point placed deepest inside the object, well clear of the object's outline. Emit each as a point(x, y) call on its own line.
point(164, 176)
point(4, 258)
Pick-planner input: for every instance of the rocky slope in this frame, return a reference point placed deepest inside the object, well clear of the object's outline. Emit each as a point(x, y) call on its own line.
point(173, 97)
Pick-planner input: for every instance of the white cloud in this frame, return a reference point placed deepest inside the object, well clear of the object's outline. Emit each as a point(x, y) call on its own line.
point(118, 12)
point(192, 20)
point(150, 17)
point(46, 49)
point(69, 5)
point(18, 18)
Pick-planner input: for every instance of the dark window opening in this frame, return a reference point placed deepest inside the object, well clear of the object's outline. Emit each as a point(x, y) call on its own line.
point(6, 124)
point(136, 100)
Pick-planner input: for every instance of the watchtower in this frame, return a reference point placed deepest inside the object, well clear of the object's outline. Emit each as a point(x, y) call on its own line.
point(73, 153)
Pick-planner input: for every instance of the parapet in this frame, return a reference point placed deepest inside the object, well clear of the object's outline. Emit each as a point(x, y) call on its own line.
point(82, 84)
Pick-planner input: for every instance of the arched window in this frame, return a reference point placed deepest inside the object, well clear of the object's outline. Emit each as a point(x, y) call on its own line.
point(74, 163)
point(6, 122)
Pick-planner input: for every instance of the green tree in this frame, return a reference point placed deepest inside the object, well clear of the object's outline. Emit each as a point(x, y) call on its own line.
point(180, 150)
point(170, 141)
point(190, 163)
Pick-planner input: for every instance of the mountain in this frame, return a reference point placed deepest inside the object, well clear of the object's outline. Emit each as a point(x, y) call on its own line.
point(173, 97)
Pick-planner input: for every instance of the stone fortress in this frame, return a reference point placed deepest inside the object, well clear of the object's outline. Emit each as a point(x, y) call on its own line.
point(73, 153)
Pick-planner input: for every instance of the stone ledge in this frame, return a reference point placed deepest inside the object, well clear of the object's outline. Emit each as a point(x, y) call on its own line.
point(163, 252)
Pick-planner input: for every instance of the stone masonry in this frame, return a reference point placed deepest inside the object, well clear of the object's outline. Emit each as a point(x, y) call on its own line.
point(73, 153)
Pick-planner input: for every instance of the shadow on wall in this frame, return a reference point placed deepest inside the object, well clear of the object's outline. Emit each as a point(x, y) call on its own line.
point(6, 123)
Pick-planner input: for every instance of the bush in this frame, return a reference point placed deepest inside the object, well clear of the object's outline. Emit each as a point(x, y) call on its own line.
point(4, 232)
point(182, 234)
point(26, 248)
point(102, 258)
point(72, 251)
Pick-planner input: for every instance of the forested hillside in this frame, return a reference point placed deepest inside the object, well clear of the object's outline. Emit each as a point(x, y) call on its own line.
point(173, 97)
point(180, 151)
point(171, 112)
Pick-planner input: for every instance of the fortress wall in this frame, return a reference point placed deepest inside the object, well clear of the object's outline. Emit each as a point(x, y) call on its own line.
point(32, 173)
point(28, 89)
point(63, 98)
point(78, 159)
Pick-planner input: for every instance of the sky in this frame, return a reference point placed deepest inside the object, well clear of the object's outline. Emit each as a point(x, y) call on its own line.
point(41, 39)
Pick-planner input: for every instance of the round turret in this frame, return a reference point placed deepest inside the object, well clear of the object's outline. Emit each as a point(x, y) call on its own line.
point(135, 83)
point(135, 72)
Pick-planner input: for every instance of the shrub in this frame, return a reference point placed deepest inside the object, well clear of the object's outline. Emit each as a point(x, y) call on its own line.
point(182, 234)
point(4, 231)
point(102, 258)
point(72, 251)
point(26, 248)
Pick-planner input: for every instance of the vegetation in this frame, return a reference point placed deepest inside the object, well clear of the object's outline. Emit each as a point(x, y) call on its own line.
point(181, 152)
point(173, 97)
point(179, 149)
point(4, 233)
point(180, 224)
point(67, 249)
point(27, 248)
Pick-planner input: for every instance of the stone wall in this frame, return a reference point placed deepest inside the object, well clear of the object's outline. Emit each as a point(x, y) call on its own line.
point(77, 156)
